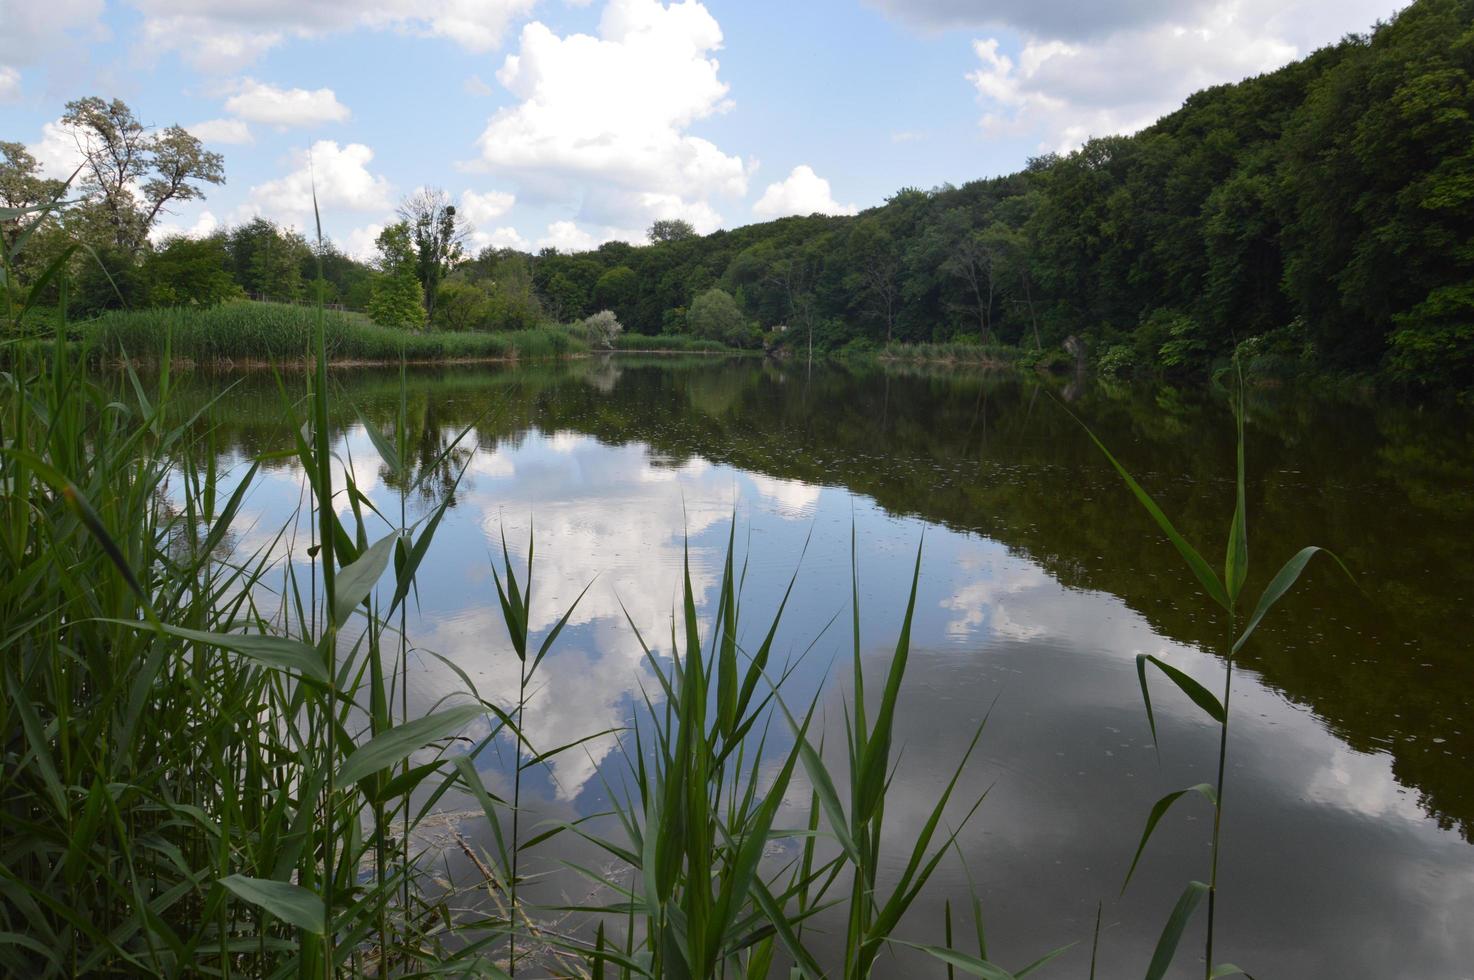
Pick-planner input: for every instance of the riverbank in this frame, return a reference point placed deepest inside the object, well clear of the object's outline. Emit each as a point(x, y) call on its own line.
point(249, 335)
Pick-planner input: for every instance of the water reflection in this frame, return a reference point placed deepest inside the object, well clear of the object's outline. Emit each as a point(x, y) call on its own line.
point(1350, 798)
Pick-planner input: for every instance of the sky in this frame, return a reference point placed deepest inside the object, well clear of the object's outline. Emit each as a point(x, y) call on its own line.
point(568, 123)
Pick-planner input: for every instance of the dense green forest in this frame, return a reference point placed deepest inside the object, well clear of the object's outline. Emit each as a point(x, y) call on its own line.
point(1317, 219)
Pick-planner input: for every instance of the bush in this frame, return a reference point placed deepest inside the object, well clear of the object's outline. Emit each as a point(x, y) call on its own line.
point(1116, 361)
point(602, 329)
point(462, 305)
point(396, 302)
point(715, 315)
point(189, 272)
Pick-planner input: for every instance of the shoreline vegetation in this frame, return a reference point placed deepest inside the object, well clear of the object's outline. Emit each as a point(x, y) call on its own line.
point(1309, 223)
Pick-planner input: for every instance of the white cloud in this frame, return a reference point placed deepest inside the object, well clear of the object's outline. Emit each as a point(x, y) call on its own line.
point(1061, 90)
point(57, 152)
point(566, 236)
point(32, 30)
point(231, 131)
point(601, 122)
point(907, 136)
point(480, 209)
point(261, 103)
point(474, 85)
point(342, 178)
point(203, 225)
point(225, 35)
point(504, 236)
point(801, 192)
point(1055, 18)
point(792, 498)
point(9, 84)
point(359, 243)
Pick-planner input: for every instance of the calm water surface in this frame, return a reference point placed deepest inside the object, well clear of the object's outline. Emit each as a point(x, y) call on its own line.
point(1350, 804)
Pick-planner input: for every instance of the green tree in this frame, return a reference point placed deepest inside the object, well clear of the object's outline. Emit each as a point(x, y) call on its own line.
point(132, 174)
point(715, 315)
point(187, 271)
point(463, 304)
point(617, 290)
point(670, 230)
point(397, 295)
point(439, 237)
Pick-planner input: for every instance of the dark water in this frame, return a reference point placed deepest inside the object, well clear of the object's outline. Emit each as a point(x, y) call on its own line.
point(1350, 803)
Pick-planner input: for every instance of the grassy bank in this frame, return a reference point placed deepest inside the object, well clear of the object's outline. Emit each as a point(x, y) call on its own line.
point(651, 343)
point(250, 332)
point(988, 356)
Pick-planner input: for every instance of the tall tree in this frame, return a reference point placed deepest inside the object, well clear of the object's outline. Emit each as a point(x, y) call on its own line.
point(396, 292)
point(21, 185)
point(439, 235)
point(132, 174)
point(670, 230)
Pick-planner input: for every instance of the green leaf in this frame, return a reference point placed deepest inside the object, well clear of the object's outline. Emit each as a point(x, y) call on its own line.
point(1156, 815)
point(970, 965)
point(1236, 555)
point(1199, 694)
point(1200, 568)
point(386, 451)
point(1172, 933)
point(354, 582)
point(388, 747)
point(273, 651)
point(288, 902)
point(1228, 970)
point(1279, 585)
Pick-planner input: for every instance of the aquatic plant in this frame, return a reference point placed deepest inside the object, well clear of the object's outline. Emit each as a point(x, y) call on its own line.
point(1225, 592)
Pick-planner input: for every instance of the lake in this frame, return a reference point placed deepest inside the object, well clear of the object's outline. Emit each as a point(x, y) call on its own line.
point(1350, 797)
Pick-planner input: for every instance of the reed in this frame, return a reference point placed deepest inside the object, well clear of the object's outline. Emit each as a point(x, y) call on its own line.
point(1225, 592)
point(253, 332)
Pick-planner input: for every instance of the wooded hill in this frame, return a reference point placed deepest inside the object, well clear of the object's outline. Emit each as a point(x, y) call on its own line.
point(1320, 217)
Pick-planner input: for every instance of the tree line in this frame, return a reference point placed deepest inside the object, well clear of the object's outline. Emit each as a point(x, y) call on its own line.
point(1315, 218)
point(1319, 217)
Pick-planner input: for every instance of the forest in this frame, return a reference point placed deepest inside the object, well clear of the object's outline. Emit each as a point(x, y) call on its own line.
point(1315, 220)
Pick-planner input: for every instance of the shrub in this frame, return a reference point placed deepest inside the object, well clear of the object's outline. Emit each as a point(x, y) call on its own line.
point(602, 329)
point(1116, 361)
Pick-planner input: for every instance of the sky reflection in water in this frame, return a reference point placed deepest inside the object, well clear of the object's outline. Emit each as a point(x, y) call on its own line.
point(1333, 869)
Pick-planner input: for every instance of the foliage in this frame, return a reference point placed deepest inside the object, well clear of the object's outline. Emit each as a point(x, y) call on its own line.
point(397, 299)
point(131, 174)
point(1225, 591)
point(670, 230)
point(1332, 192)
point(715, 315)
point(1116, 361)
point(269, 262)
point(439, 238)
point(258, 332)
point(187, 271)
point(603, 329)
point(462, 304)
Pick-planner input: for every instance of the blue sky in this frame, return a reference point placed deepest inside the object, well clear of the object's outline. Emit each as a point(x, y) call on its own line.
point(571, 123)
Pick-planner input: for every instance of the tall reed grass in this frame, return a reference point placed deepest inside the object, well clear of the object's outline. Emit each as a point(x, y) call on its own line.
point(247, 332)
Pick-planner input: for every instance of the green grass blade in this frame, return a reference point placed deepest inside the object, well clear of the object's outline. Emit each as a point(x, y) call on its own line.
point(1279, 585)
point(1177, 922)
point(1158, 811)
point(1200, 568)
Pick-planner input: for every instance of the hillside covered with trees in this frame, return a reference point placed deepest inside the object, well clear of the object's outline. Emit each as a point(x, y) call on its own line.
point(1317, 219)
